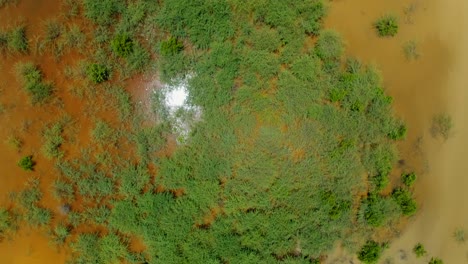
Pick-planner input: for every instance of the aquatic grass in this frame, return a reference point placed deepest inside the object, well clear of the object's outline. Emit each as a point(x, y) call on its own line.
point(459, 235)
point(31, 78)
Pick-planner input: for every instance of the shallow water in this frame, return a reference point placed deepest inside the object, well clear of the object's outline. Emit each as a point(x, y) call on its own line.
point(434, 83)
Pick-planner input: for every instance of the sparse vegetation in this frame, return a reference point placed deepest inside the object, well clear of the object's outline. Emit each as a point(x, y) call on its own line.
point(419, 250)
point(387, 26)
point(27, 163)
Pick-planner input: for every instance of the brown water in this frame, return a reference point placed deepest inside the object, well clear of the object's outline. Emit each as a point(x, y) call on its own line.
point(434, 83)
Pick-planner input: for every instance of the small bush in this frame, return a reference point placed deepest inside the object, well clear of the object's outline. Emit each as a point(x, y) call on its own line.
point(398, 133)
point(53, 30)
point(5, 221)
point(37, 216)
point(419, 250)
point(403, 198)
point(442, 125)
point(370, 252)
point(409, 179)
point(122, 45)
point(53, 139)
point(98, 73)
point(60, 234)
point(27, 163)
point(63, 190)
point(436, 261)
point(387, 26)
point(171, 46)
point(17, 40)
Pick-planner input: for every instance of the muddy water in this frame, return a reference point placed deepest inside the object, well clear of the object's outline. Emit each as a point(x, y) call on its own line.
point(436, 82)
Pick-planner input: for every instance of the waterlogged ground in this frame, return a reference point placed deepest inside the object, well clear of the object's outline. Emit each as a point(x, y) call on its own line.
point(435, 82)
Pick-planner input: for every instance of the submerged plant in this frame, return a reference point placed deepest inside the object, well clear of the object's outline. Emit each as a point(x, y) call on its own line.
point(442, 126)
point(459, 235)
point(410, 49)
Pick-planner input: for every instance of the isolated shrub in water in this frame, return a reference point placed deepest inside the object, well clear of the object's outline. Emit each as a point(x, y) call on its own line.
point(27, 163)
point(419, 250)
point(403, 198)
point(387, 26)
point(399, 132)
point(370, 252)
point(409, 179)
point(5, 221)
point(122, 45)
point(171, 46)
point(98, 73)
point(459, 235)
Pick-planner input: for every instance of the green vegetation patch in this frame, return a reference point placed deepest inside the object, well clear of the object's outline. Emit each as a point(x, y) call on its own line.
point(122, 45)
point(435, 260)
point(98, 73)
point(405, 201)
point(17, 40)
point(387, 26)
point(171, 46)
point(409, 179)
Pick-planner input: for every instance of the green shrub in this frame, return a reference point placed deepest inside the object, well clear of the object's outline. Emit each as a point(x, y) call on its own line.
point(63, 190)
point(171, 46)
point(329, 47)
point(442, 125)
point(370, 253)
point(38, 216)
point(17, 40)
point(98, 73)
point(436, 261)
point(409, 179)
point(377, 210)
point(387, 26)
point(419, 250)
point(399, 132)
point(27, 163)
point(405, 201)
point(53, 30)
point(122, 45)
point(31, 77)
point(103, 12)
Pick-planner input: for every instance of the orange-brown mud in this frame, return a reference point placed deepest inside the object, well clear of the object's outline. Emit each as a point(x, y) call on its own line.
point(434, 83)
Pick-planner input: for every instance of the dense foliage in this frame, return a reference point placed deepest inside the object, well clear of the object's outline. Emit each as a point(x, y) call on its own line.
point(290, 156)
point(387, 26)
point(419, 250)
point(26, 163)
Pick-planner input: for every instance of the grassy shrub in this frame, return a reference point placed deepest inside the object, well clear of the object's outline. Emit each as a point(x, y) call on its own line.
point(74, 37)
point(17, 40)
point(98, 73)
point(63, 191)
point(387, 26)
point(53, 30)
point(38, 216)
point(171, 46)
point(409, 179)
point(103, 133)
point(442, 126)
point(27, 163)
point(138, 60)
point(122, 45)
point(370, 252)
point(52, 141)
point(399, 132)
point(32, 79)
point(329, 49)
point(405, 201)
point(103, 12)
point(419, 250)
point(435, 261)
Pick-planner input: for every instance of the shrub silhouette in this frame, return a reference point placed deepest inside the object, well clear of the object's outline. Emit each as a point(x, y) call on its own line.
point(387, 26)
point(27, 163)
